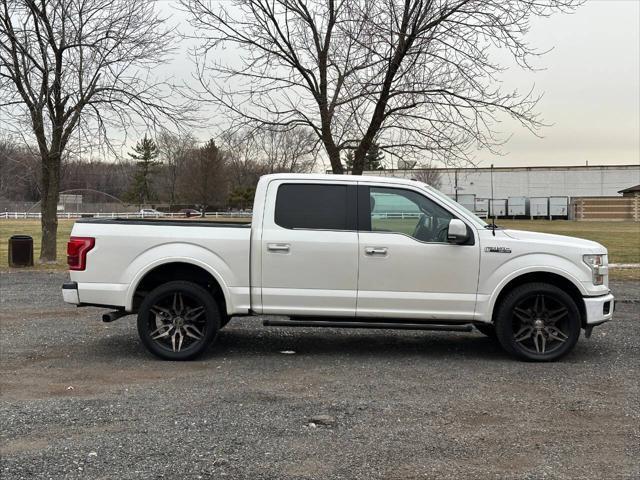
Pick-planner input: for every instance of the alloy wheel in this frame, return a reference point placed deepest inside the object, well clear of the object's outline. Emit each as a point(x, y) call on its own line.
point(177, 322)
point(540, 323)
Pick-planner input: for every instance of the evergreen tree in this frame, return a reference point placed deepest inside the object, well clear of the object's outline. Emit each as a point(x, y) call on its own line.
point(242, 197)
point(348, 161)
point(144, 153)
point(204, 180)
point(374, 157)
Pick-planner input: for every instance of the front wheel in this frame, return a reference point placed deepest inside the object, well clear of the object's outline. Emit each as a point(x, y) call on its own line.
point(178, 320)
point(538, 321)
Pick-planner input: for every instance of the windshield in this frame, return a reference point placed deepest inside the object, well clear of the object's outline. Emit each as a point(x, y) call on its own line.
point(448, 201)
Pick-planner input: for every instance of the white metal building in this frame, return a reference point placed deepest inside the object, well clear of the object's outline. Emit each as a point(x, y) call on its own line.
point(570, 181)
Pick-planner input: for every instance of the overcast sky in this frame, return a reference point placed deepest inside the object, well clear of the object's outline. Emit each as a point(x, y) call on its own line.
point(591, 88)
point(590, 81)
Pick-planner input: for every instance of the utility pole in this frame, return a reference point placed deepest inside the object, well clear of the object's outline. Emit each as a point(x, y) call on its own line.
point(455, 176)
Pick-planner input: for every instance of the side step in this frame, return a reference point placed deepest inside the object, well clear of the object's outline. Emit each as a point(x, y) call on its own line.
point(466, 327)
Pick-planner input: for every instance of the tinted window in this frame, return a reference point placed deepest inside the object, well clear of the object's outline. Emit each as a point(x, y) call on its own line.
point(405, 211)
point(311, 206)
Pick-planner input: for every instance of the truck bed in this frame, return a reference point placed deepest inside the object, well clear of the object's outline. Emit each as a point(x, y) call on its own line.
point(127, 249)
point(165, 222)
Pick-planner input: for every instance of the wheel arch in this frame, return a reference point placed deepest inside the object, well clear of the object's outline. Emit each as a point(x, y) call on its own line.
point(186, 269)
point(552, 278)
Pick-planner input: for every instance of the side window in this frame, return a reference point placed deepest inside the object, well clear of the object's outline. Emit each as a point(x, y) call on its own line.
point(405, 211)
point(314, 206)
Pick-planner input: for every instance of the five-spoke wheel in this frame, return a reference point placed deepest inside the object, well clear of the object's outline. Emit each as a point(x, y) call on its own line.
point(538, 321)
point(177, 320)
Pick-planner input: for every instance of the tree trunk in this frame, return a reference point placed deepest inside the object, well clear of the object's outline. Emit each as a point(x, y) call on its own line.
point(360, 156)
point(334, 158)
point(49, 207)
point(172, 188)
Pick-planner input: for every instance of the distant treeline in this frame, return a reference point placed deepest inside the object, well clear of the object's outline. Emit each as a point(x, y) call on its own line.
point(170, 170)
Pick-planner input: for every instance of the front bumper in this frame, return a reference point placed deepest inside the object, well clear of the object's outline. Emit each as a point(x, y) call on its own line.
point(70, 292)
point(599, 309)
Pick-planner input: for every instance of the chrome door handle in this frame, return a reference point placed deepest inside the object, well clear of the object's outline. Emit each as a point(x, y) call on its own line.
point(278, 247)
point(375, 250)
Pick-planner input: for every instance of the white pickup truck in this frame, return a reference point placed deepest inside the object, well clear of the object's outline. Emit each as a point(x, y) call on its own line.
point(341, 251)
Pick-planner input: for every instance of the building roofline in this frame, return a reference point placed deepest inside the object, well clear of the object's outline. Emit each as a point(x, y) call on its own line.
point(519, 168)
point(634, 188)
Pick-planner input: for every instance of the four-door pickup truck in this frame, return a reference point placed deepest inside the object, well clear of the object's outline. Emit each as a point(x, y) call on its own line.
point(341, 251)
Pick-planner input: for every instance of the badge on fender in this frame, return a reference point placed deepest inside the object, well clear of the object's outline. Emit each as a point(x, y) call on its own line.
point(497, 250)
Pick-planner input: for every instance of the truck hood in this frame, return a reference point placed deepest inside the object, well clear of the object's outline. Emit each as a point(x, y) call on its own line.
point(560, 240)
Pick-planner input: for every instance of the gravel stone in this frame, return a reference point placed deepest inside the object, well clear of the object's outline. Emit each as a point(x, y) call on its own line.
point(323, 420)
point(406, 405)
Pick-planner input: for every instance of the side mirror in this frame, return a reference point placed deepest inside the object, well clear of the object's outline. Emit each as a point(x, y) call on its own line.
point(457, 232)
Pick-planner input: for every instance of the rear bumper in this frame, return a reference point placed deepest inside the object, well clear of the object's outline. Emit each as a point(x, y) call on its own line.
point(70, 293)
point(599, 309)
point(106, 295)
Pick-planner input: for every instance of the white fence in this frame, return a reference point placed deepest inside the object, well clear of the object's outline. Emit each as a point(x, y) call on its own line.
point(70, 215)
point(38, 215)
point(401, 215)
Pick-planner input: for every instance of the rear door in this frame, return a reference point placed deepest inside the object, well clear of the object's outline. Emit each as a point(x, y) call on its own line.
point(309, 249)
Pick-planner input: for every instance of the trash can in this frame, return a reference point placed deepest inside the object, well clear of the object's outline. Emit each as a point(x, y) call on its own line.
point(21, 251)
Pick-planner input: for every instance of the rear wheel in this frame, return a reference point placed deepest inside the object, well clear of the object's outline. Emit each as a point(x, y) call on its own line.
point(538, 321)
point(178, 320)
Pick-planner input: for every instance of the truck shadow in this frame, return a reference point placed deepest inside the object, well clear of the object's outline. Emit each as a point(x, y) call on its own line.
point(239, 341)
point(245, 339)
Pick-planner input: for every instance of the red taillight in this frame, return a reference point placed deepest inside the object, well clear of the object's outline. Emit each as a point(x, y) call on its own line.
point(77, 249)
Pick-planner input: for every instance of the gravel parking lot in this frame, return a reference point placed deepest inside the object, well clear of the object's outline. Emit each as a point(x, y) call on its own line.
point(83, 399)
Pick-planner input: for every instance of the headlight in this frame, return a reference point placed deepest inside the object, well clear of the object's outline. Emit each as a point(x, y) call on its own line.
point(598, 266)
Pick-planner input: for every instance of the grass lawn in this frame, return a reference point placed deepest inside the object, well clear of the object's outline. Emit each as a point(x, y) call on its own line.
point(32, 228)
point(622, 239)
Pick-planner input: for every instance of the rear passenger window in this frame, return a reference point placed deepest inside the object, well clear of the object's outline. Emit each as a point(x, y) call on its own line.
point(312, 206)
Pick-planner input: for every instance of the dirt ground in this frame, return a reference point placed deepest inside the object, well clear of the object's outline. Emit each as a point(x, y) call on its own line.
point(83, 399)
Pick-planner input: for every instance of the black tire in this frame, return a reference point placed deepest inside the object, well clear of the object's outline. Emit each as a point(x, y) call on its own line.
point(178, 320)
point(488, 329)
point(538, 322)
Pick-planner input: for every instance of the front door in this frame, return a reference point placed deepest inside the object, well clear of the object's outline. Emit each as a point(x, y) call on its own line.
point(309, 249)
point(407, 268)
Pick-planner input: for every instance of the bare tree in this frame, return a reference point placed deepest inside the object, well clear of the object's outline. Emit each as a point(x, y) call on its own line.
point(429, 175)
point(290, 151)
point(251, 153)
point(108, 178)
point(242, 159)
point(79, 66)
point(19, 175)
point(415, 76)
point(174, 149)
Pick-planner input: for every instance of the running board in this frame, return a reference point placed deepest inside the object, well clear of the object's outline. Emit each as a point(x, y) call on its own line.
point(466, 327)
